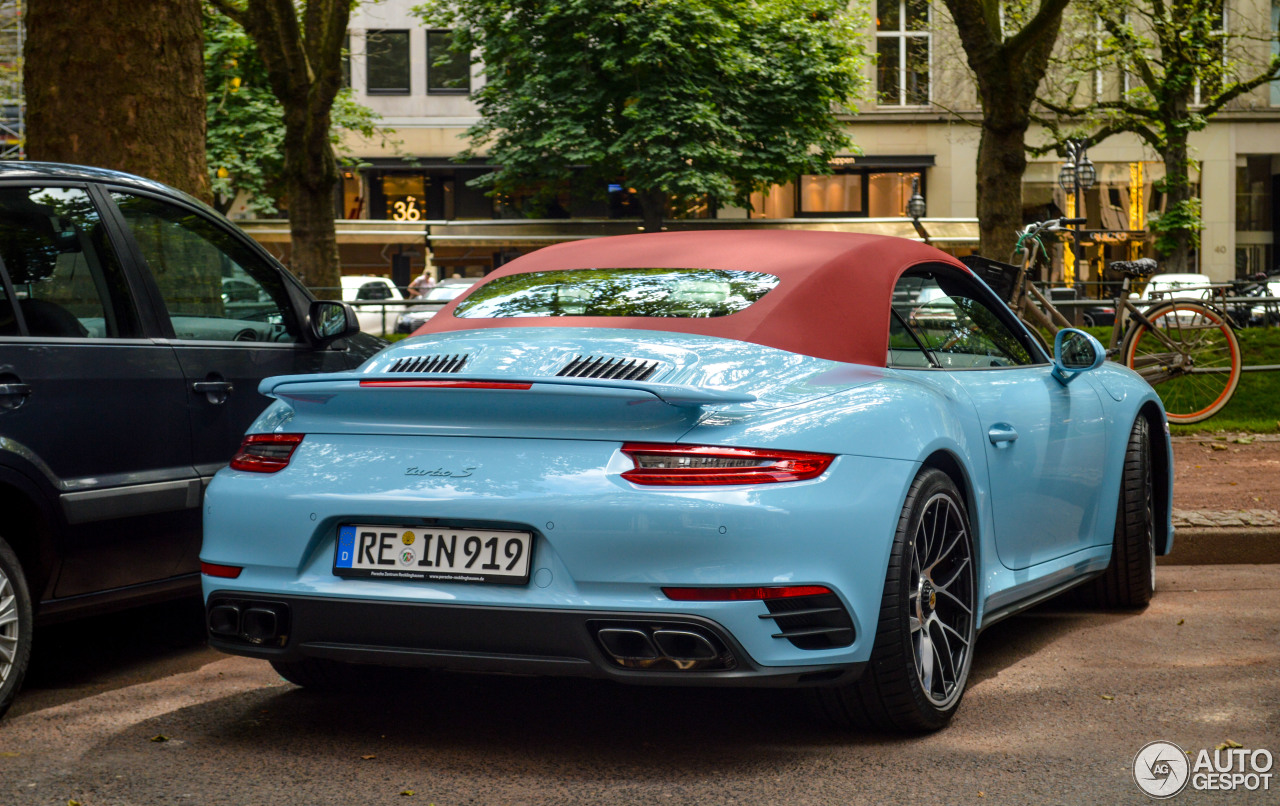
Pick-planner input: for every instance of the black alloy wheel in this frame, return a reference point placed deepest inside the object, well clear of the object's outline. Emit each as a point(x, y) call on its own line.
point(927, 628)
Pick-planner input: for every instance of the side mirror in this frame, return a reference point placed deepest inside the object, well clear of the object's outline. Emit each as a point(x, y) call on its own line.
point(328, 320)
point(1075, 351)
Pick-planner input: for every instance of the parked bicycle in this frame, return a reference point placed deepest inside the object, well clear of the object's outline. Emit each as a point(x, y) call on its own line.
point(1183, 347)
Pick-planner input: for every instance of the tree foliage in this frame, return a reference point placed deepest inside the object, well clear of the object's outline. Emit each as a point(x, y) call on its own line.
point(300, 44)
point(678, 99)
point(1008, 44)
point(246, 130)
point(1184, 65)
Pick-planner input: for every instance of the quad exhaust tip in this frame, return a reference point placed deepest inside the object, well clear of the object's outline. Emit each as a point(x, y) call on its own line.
point(663, 647)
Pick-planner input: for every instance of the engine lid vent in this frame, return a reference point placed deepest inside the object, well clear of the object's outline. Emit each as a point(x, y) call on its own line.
point(620, 369)
point(430, 363)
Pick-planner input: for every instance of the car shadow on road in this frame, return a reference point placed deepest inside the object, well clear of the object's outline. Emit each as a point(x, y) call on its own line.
point(1014, 639)
point(537, 721)
point(78, 659)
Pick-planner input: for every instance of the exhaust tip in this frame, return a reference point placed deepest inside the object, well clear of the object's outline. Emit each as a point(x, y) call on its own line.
point(626, 644)
point(663, 646)
point(685, 645)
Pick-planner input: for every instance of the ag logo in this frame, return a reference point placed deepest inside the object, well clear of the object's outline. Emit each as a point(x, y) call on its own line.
point(1161, 769)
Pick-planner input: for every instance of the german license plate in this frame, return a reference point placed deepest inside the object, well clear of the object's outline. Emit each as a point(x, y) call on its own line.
point(435, 554)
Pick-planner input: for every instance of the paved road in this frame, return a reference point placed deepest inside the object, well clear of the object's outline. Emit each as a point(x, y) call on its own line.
point(1059, 703)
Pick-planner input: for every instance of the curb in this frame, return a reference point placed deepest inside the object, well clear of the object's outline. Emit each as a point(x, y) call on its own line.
point(1248, 545)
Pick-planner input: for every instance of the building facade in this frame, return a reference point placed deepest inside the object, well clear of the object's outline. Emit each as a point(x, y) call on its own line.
point(916, 130)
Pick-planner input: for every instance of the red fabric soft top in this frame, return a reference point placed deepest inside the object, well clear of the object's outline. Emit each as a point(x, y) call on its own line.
point(832, 300)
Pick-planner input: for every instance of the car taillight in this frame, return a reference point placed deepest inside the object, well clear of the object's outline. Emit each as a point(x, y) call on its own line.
point(221, 571)
point(265, 453)
point(706, 464)
point(743, 594)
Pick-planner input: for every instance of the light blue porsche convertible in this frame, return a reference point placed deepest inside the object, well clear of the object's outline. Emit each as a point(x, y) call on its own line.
point(725, 458)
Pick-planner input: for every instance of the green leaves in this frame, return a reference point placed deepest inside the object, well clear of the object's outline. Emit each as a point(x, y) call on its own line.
point(245, 139)
point(682, 98)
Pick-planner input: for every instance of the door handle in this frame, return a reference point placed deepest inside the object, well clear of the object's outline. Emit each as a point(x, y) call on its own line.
point(1002, 435)
point(216, 392)
point(13, 395)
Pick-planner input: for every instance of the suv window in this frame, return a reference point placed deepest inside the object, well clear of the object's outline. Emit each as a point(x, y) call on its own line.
point(61, 269)
point(214, 287)
point(938, 321)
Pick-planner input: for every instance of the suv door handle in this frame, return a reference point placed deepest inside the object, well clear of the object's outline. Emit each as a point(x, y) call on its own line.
point(216, 392)
point(13, 395)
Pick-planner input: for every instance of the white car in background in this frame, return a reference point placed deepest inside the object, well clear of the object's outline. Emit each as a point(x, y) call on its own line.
point(1163, 286)
point(440, 295)
point(378, 320)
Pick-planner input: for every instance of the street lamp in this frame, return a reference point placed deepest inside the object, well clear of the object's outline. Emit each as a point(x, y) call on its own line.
point(1077, 176)
point(916, 209)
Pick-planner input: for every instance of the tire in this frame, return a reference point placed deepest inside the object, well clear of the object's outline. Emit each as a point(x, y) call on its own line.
point(16, 619)
point(1204, 341)
point(1130, 579)
point(916, 676)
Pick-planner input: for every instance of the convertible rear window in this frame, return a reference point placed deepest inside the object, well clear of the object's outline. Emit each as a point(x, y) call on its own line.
point(681, 293)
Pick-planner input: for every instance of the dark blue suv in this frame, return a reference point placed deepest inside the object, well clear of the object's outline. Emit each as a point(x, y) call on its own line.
point(135, 325)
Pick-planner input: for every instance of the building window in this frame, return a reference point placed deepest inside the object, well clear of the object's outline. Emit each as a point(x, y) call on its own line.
point(1275, 50)
point(346, 62)
point(1253, 194)
point(1215, 70)
point(1111, 78)
point(387, 62)
point(448, 71)
point(902, 52)
point(850, 192)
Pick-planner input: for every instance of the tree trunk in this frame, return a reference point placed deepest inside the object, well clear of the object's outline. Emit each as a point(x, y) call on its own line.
point(301, 46)
point(311, 174)
point(1002, 160)
point(653, 203)
point(118, 84)
point(1177, 184)
point(1008, 70)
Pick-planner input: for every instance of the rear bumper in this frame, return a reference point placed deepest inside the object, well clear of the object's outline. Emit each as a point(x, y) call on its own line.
point(505, 640)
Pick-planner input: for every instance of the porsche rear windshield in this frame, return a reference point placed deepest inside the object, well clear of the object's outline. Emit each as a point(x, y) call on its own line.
point(680, 293)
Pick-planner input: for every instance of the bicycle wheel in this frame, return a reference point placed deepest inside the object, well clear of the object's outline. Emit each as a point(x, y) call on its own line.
point(1189, 354)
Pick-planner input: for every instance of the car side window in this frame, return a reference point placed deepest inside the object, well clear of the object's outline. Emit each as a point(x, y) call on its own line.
point(374, 291)
point(939, 321)
point(214, 287)
point(61, 269)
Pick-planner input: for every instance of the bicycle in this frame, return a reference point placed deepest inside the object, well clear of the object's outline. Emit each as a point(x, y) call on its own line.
point(1185, 348)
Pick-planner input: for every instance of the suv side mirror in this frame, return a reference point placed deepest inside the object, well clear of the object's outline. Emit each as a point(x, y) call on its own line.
point(328, 320)
point(1075, 351)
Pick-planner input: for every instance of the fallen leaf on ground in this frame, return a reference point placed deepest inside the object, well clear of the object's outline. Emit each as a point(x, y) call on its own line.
point(369, 757)
point(1243, 440)
point(159, 737)
point(1228, 743)
point(73, 803)
point(9, 755)
point(408, 793)
point(1181, 621)
point(1107, 696)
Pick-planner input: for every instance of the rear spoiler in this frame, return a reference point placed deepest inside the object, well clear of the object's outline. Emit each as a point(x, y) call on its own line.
point(672, 394)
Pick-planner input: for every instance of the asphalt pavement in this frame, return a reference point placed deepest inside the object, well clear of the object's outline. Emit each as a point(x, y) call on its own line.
point(124, 710)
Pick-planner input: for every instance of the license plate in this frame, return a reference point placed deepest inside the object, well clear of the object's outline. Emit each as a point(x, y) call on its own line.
point(435, 554)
